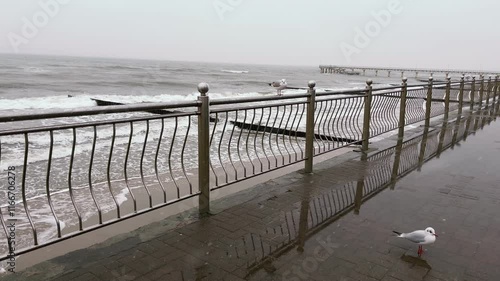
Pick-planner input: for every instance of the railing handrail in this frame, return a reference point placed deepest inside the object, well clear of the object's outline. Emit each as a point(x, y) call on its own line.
point(92, 123)
point(86, 111)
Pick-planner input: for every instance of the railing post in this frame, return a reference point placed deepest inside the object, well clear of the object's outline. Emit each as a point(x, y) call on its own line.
point(488, 90)
point(447, 97)
point(204, 149)
point(481, 91)
point(428, 102)
point(311, 104)
point(402, 111)
point(367, 115)
point(472, 92)
point(495, 89)
point(461, 94)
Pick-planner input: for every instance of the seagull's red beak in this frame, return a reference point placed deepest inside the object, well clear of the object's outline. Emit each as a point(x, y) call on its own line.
point(435, 235)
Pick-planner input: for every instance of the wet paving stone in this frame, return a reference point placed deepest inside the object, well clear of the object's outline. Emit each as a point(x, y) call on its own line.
point(335, 224)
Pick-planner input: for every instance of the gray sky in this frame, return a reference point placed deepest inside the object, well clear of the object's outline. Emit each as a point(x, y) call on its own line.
point(425, 33)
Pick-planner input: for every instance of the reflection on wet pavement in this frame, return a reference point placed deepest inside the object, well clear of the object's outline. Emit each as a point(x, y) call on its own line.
point(362, 249)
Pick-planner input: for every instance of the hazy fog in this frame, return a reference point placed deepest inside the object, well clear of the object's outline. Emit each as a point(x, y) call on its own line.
point(440, 34)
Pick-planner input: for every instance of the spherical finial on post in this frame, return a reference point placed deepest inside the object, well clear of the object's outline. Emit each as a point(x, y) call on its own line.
point(405, 80)
point(311, 84)
point(203, 88)
point(463, 77)
point(431, 78)
point(448, 78)
point(369, 83)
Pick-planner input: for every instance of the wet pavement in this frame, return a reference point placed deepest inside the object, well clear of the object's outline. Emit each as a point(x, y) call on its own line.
point(335, 224)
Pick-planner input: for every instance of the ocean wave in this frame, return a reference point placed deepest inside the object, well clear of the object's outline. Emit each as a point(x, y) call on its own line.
point(85, 100)
point(120, 67)
point(45, 103)
point(18, 85)
point(138, 82)
point(235, 71)
point(32, 69)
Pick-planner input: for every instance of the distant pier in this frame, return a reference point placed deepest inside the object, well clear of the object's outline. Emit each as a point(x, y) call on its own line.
point(401, 72)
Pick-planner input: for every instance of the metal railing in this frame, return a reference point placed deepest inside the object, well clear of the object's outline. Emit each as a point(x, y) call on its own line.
point(82, 169)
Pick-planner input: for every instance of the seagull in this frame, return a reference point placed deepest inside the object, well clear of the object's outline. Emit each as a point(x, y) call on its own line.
point(421, 237)
point(279, 85)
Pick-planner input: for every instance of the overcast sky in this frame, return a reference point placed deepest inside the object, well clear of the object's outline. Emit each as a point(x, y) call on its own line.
point(455, 34)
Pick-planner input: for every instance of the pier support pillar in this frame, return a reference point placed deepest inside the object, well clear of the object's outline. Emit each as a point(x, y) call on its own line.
point(376, 72)
point(389, 73)
point(402, 74)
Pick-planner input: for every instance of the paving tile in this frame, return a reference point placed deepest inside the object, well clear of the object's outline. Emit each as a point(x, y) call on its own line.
point(85, 277)
point(150, 246)
point(70, 275)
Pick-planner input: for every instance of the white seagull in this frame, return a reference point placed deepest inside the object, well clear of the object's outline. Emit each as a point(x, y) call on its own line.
point(279, 85)
point(421, 237)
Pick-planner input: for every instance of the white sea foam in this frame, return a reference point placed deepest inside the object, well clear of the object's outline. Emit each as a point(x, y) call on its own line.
point(32, 69)
point(85, 100)
point(45, 103)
